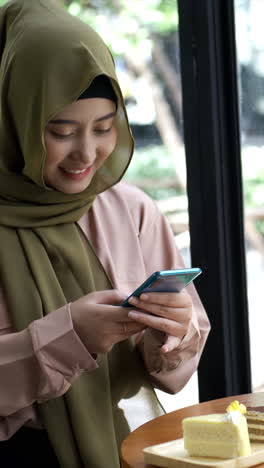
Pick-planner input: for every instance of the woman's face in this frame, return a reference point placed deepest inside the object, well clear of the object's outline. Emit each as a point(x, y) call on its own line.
point(78, 140)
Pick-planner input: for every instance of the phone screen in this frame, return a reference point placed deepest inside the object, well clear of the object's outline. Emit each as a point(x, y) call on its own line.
point(165, 281)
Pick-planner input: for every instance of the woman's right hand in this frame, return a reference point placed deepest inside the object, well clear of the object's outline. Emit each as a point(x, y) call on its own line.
point(101, 325)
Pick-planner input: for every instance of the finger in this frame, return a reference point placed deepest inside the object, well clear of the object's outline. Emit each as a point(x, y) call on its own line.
point(171, 299)
point(174, 313)
point(115, 296)
point(112, 296)
point(115, 314)
point(159, 323)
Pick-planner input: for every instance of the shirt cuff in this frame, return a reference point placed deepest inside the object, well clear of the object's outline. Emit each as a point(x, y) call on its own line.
point(59, 351)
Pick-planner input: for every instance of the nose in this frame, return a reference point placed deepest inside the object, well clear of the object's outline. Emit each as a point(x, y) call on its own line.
point(85, 150)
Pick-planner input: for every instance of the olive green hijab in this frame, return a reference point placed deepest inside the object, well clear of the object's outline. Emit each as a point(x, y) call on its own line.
point(48, 58)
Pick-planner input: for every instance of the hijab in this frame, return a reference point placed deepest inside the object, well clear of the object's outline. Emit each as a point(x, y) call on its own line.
point(48, 59)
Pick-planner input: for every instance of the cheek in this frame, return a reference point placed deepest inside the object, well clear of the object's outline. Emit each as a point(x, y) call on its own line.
point(105, 149)
point(111, 144)
point(55, 153)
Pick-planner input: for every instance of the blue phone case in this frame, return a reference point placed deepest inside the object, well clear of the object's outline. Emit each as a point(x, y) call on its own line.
point(165, 281)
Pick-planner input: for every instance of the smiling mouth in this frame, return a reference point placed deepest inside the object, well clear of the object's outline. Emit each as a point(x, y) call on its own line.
point(75, 171)
point(75, 174)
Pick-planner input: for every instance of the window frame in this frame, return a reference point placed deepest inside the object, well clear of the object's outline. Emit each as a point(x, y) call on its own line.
point(215, 193)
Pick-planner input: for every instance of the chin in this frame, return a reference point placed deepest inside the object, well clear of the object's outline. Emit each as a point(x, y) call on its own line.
point(69, 187)
point(73, 190)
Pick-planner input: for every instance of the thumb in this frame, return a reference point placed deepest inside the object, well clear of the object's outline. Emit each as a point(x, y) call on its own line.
point(170, 344)
point(110, 296)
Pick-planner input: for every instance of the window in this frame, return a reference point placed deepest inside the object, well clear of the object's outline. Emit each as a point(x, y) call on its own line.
point(212, 142)
point(250, 66)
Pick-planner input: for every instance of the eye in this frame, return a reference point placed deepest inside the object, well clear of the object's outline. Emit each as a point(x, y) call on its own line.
point(61, 136)
point(102, 131)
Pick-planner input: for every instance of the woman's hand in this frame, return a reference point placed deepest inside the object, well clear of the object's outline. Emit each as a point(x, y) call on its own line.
point(170, 313)
point(101, 325)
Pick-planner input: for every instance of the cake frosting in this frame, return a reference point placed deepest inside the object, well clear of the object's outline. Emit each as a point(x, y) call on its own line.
point(218, 435)
point(255, 421)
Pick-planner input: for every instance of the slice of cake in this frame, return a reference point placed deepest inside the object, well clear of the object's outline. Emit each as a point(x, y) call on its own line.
point(255, 421)
point(217, 435)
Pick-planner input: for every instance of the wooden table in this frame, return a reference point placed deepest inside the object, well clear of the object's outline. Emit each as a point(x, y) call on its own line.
point(168, 427)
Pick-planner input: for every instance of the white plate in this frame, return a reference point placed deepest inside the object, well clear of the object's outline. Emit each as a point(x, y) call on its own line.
point(173, 455)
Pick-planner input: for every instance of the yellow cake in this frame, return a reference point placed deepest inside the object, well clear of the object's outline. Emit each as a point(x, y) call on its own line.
point(217, 435)
point(255, 421)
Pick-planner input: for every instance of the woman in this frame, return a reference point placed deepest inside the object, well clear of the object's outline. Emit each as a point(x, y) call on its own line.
point(73, 244)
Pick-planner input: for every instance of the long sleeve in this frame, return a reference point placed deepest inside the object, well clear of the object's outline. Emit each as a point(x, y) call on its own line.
point(172, 371)
point(44, 359)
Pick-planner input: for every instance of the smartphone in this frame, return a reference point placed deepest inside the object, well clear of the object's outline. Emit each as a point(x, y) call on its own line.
point(165, 281)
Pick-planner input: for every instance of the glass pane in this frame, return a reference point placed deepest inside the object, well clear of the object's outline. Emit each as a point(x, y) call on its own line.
point(250, 56)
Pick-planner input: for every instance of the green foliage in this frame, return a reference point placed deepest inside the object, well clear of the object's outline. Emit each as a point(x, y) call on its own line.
point(126, 24)
point(157, 16)
point(152, 162)
point(260, 226)
point(254, 190)
point(254, 194)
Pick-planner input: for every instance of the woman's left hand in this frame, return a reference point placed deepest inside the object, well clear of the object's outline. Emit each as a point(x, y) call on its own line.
point(170, 313)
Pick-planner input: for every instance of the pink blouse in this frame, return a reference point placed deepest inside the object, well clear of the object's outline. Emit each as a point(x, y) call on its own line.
point(132, 240)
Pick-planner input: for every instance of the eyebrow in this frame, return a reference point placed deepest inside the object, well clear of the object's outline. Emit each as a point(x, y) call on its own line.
point(75, 122)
